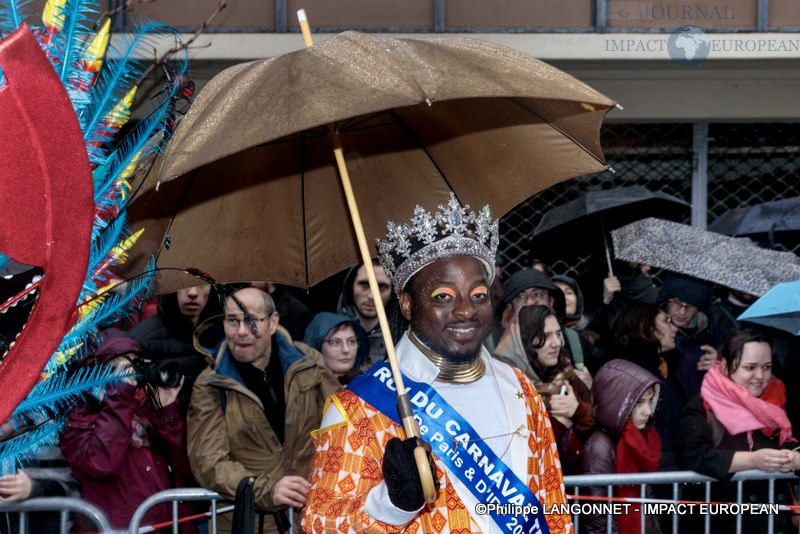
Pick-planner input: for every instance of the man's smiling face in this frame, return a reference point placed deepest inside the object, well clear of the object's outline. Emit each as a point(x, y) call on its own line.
point(448, 305)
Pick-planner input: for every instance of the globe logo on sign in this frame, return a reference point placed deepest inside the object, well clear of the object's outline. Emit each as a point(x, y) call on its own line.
point(688, 46)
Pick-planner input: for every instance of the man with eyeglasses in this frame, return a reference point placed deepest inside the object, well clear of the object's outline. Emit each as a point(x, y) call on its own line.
point(524, 288)
point(252, 412)
point(687, 301)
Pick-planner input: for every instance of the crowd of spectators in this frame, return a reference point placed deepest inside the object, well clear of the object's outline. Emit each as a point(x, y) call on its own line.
point(637, 376)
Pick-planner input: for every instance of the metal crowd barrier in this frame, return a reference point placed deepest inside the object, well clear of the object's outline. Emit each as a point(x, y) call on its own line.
point(176, 496)
point(63, 505)
point(66, 505)
point(675, 479)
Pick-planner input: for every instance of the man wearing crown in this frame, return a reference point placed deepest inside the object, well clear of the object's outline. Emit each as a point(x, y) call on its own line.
point(495, 460)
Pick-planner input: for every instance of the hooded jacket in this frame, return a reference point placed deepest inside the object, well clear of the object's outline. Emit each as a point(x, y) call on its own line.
point(324, 322)
point(687, 289)
point(122, 451)
point(645, 354)
point(616, 389)
point(167, 336)
point(577, 320)
point(346, 306)
point(229, 436)
point(689, 339)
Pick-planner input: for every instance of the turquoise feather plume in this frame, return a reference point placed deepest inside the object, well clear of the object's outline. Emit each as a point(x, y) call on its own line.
point(120, 73)
point(12, 14)
point(102, 102)
point(106, 311)
point(24, 446)
point(63, 390)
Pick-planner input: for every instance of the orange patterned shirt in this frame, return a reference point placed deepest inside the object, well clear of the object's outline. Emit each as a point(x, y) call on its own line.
point(348, 459)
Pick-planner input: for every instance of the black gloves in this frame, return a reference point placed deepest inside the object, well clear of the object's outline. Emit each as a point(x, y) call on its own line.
point(401, 475)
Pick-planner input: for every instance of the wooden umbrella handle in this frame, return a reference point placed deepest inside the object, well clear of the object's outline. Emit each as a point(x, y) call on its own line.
point(404, 405)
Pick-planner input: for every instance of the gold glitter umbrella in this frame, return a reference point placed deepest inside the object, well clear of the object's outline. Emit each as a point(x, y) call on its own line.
point(249, 187)
point(256, 184)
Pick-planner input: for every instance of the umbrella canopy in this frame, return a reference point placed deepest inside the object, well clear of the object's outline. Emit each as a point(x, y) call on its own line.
point(778, 308)
point(248, 187)
point(633, 200)
point(737, 263)
point(763, 221)
point(605, 210)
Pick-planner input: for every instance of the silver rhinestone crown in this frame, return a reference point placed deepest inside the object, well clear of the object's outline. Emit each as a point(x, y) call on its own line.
point(451, 231)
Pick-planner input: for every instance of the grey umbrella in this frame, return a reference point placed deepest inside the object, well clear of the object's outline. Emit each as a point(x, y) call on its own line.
point(737, 263)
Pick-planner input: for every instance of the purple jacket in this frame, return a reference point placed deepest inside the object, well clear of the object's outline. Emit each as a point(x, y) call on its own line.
point(617, 387)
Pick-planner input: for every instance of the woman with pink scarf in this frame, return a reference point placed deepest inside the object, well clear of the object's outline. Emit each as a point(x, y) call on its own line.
point(738, 423)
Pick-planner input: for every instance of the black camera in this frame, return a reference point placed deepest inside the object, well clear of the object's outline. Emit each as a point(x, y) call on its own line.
point(157, 374)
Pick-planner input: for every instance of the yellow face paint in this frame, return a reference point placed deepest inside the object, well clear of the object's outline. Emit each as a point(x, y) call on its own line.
point(443, 291)
point(480, 290)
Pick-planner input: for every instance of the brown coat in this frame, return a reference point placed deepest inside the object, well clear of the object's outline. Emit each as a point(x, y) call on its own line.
point(230, 438)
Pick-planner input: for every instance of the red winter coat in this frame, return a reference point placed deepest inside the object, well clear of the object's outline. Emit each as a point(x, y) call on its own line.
point(118, 472)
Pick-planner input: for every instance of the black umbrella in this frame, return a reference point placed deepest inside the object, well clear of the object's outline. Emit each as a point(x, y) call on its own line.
point(579, 227)
point(769, 222)
point(244, 511)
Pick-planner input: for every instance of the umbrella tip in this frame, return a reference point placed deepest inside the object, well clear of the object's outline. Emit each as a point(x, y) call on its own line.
point(305, 28)
point(428, 101)
point(619, 106)
point(612, 170)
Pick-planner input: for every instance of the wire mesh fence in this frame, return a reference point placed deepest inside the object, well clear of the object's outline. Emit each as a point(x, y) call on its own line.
point(747, 164)
point(753, 163)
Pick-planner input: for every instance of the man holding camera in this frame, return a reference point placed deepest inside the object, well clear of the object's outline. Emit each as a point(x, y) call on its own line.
point(168, 335)
point(252, 413)
point(130, 443)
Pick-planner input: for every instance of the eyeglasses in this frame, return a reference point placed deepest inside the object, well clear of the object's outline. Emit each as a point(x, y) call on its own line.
point(535, 293)
point(675, 305)
point(234, 322)
point(337, 343)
